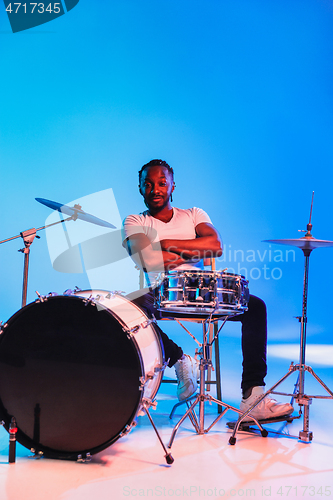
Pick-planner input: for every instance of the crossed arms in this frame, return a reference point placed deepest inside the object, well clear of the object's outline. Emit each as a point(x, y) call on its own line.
point(168, 254)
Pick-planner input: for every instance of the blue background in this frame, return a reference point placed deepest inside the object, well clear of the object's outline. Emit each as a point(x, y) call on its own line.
point(236, 95)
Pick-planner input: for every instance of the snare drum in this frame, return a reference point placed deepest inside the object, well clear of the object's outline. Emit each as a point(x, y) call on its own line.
point(74, 371)
point(201, 293)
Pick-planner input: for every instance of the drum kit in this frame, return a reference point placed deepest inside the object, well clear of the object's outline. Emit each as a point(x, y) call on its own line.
point(77, 369)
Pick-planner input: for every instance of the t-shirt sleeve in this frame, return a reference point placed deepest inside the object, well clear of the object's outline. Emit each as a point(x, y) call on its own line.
point(200, 216)
point(135, 224)
point(132, 224)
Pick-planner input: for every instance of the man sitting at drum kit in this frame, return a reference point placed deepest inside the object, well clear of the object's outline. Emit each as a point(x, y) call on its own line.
point(165, 238)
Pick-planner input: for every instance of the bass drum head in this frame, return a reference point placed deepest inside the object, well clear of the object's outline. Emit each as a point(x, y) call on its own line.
point(69, 375)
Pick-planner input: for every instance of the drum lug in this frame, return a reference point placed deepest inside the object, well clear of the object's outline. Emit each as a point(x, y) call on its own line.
point(148, 403)
point(111, 295)
point(44, 298)
point(82, 460)
point(135, 329)
point(148, 322)
point(126, 430)
point(132, 331)
point(69, 291)
point(161, 368)
point(89, 300)
point(144, 380)
point(41, 298)
point(2, 327)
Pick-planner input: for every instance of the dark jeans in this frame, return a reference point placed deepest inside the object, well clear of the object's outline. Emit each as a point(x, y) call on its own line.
point(254, 338)
point(254, 343)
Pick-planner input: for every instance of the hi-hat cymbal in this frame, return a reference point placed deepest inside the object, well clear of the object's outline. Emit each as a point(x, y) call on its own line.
point(305, 243)
point(75, 211)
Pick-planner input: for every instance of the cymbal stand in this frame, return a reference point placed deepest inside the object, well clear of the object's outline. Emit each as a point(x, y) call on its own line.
point(201, 398)
point(28, 237)
point(299, 395)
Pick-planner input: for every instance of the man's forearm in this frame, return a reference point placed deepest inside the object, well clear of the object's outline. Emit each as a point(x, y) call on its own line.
point(159, 260)
point(197, 248)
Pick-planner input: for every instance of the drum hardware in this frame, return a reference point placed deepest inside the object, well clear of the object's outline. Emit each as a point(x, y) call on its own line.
point(190, 334)
point(69, 291)
point(161, 368)
point(144, 380)
point(90, 300)
point(127, 429)
point(29, 235)
point(132, 331)
point(247, 426)
point(12, 440)
point(82, 460)
point(44, 298)
point(213, 337)
point(2, 327)
point(228, 296)
point(201, 398)
point(180, 404)
point(36, 454)
point(306, 243)
point(136, 328)
point(168, 457)
point(41, 298)
point(148, 322)
point(149, 403)
point(109, 295)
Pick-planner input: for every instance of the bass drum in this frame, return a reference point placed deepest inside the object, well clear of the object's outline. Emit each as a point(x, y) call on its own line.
point(74, 371)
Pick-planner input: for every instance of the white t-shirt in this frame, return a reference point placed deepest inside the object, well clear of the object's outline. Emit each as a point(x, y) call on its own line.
point(181, 227)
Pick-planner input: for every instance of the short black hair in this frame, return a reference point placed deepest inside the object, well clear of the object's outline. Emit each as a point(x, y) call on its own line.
point(155, 163)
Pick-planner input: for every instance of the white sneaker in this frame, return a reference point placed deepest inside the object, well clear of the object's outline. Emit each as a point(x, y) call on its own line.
point(267, 408)
point(187, 376)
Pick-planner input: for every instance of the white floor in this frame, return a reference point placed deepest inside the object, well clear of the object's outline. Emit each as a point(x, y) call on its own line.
point(279, 466)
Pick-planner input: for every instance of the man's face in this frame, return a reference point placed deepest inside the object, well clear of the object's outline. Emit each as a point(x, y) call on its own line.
point(156, 187)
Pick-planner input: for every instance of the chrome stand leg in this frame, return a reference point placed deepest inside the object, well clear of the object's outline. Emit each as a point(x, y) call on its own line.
point(203, 367)
point(187, 414)
point(168, 457)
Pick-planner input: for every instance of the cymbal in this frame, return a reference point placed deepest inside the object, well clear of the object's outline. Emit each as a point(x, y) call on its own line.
point(76, 212)
point(305, 243)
